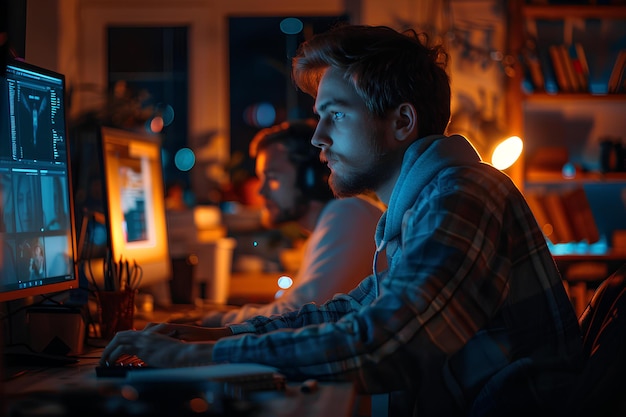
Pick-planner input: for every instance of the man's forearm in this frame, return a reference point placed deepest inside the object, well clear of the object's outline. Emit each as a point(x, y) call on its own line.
point(208, 334)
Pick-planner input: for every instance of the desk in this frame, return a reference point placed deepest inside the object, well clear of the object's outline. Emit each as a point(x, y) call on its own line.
point(253, 287)
point(78, 383)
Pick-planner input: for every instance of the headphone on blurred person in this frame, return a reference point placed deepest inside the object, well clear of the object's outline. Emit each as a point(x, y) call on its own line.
point(312, 175)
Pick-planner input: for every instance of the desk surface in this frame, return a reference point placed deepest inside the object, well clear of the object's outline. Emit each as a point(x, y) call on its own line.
point(253, 287)
point(79, 380)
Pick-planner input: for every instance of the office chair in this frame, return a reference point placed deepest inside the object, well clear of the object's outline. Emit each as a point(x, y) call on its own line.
point(602, 387)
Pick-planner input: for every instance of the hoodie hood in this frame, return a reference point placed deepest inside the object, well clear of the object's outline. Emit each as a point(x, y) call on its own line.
point(422, 161)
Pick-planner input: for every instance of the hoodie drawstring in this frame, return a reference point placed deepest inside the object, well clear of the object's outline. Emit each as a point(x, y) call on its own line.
point(379, 249)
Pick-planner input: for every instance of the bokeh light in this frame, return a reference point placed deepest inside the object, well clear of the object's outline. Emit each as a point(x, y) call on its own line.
point(569, 171)
point(167, 113)
point(260, 114)
point(156, 124)
point(184, 159)
point(285, 282)
point(291, 26)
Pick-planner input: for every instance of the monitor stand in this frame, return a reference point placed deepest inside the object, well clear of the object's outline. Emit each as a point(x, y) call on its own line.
point(54, 337)
point(56, 330)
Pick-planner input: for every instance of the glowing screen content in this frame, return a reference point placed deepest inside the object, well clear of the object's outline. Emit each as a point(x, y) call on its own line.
point(36, 220)
point(135, 190)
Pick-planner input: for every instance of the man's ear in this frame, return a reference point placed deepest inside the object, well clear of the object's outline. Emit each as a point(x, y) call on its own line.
point(405, 122)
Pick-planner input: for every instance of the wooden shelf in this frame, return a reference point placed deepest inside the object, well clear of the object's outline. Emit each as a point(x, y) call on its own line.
point(554, 177)
point(559, 97)
point(560, 12)
point(614, 255)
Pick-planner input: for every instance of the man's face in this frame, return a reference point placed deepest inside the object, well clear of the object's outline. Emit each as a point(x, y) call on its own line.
point(359, 148)
point(278, 176)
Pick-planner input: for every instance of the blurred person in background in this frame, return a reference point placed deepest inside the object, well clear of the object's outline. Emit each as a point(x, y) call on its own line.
point(293, 183)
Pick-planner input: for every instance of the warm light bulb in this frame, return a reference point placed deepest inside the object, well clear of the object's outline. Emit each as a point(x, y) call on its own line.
point(507, 152)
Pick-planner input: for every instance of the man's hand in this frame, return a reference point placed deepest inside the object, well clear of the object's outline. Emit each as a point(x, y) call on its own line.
point(157, 350)
point(188, 332)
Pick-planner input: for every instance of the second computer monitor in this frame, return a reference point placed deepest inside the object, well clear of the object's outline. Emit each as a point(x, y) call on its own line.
point(135, 202)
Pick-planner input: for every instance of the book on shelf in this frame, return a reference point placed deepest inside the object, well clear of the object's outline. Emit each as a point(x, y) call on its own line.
point(532, 66)
point(557, 213)
point(560, 71)
point(570, 73)
point(580, 64)
point(580, 215)
point(570, 67)
point(618, 73)
point(543, 35)
point(564, 216)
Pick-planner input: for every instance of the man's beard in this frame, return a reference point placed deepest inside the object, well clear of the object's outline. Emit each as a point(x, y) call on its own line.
point(369, 178)
point(286, 215)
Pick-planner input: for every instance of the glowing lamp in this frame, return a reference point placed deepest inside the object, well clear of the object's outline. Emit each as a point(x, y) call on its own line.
point(507, 152)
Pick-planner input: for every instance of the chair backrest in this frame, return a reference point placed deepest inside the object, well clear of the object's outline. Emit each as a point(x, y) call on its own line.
point(603, 324)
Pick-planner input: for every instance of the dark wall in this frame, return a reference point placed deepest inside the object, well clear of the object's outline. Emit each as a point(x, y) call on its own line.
point(13, 23)
point(3, 34)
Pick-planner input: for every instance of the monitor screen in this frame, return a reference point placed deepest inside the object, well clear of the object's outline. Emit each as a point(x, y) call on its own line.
point(36, 212)
point(135, 202)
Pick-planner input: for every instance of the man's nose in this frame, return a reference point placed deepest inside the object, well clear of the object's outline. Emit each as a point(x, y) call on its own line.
point(320, 139)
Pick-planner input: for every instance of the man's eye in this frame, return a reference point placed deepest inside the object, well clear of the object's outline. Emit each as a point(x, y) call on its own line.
point(338, 115)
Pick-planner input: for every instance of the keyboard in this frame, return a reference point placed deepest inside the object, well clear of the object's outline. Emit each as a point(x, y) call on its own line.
point(241, 377)
point(121, 367)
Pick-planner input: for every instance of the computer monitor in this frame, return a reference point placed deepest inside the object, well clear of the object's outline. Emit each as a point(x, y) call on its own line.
point(135, 202)
point(37, 231)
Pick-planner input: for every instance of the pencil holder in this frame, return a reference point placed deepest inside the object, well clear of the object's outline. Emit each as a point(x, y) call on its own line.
point(115, 311)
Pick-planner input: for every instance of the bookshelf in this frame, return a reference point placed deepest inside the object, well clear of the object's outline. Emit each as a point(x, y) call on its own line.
point(564, 128)
point(574, 122)
point(578, 45)
point(583, 11)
